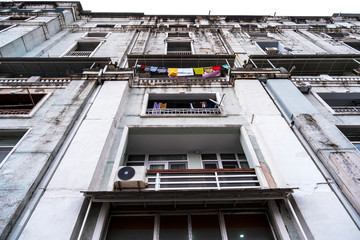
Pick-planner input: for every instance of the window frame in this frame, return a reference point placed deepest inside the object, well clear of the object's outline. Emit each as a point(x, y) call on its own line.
point(167, 163)
point(219, 161)
point(47, 94)
point(26, 132)
point(148, 95)
point(219, 214)
point(82, 40)
point(328, 107)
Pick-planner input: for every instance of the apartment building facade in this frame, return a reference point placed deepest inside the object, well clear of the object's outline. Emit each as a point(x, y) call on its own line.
point(133, 126)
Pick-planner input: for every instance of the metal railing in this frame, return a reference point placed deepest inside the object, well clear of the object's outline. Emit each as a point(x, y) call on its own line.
point(157, 81)
point(346, 109)
point(179, 52)
point(79, 53)
point(168, 111)
point(14, 111)
point(198, 179)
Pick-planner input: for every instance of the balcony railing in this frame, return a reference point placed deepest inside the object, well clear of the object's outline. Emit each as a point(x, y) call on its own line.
point(168, 111)
point(199, 179)
point(347, 109)
point(79, 53)
point(159, 81)
point(14, 111)
point(179, 52)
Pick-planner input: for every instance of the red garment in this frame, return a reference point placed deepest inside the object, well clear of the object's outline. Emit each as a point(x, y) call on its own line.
point(142, 66)
point(216, 68)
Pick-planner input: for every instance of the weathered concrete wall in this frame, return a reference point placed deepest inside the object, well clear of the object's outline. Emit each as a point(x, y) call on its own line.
point(77, 168)
point(25, 167)
point(290, 165)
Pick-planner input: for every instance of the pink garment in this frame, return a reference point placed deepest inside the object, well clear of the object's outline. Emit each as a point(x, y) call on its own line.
point(213, 74)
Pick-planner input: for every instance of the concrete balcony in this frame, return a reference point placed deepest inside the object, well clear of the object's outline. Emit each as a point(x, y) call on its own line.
point(185, 111)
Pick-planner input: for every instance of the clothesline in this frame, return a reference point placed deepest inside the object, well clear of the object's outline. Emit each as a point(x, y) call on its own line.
point(206, 72)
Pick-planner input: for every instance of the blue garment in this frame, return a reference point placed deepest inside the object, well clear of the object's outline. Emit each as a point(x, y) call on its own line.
point(153, 69)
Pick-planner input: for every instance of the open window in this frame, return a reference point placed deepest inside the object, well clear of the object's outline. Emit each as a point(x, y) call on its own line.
point(8, 140)
point(342, 102)
point(2, 27)
point(105, 25)
point(96, 34)
point(272, 47)
point(224, 161)
point(178, 43)
point(83, 49)
point(183, 103)
point(19, 103)
point(352, 133)
point(354, 44)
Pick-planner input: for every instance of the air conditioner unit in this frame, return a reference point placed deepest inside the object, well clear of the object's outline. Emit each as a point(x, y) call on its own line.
point(272, 50)
point(131, 177)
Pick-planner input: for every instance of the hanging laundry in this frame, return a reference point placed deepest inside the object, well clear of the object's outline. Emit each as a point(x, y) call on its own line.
point(156, 105)
point(142, 66)
point(208, 69)
point(213, 74)
point(139, 66)
point(182, 72)
point(162, 70)
point(163, 105)
point(216, 68)
point(153, 69)
point(225, 66)
point(199, 71)
point(191, 106)
point(147, 68)
point(172, 72)
point(203, 104)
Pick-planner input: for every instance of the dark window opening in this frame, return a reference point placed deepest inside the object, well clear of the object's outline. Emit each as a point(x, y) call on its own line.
point(183, 104)
point(17, 18)
point(178, 34)
point(86, 46)
point(257, 34)
point(355, 45)
point(94, 34)
point(105, 25)
point(2, 27)
point(342, 102)
point(18, 103)
point(179, 47)
point(337, 35)
point(352, 133)
point(8, 140)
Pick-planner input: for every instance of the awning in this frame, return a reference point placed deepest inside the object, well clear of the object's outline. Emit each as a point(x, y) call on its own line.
point(48, 67)
point(310, 65)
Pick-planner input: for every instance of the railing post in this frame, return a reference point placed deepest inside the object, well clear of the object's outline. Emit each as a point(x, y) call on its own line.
point(157, 182)
point(217, 181)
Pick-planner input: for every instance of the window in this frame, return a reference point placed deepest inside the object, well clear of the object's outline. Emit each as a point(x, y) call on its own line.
point(19, 103)
point(2, 27)
point(16, 18)
point(178, 43)
point(342, 102)
point(224, 160)
point(96, 34)
point(272, 48)
point(353, 134)
point(354, 44)
point(257, 34)
point(8, 140)
point(204, 226)
point(105, 25)
point(158, 161)
point(183, 103)
point(83, 49)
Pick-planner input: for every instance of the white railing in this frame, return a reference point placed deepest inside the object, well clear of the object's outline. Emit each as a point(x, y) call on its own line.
point(179, 52)
point(156, 81)
point(198, 179)
point(167, 111)
point(79, 53)
point(346, 109)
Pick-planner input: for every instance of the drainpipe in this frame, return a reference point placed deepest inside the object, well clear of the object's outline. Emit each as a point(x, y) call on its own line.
point(329, 179)
point(40, 190)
